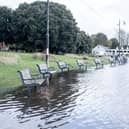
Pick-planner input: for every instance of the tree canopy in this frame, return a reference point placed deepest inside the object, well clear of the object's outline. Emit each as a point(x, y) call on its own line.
point(99, 38)
point(114, 42)
point(5, 24)
point(25, 29)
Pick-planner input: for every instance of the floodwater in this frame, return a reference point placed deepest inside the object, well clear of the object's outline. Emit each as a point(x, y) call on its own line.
point(97, 99)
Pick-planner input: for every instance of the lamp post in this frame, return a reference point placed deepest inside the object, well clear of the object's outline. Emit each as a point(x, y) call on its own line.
point(47, 36)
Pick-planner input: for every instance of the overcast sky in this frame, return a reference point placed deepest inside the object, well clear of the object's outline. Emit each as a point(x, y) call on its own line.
point(92, 16)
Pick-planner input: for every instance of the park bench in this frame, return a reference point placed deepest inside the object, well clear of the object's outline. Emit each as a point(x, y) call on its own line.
point(28, 79)
point(63, 66)
point(112, 61)
point(122, 59)
point(81, 64)
point(98, 63)
point(45, 71)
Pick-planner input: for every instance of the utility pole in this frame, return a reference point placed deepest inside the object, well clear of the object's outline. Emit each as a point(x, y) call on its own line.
point(127, 40)
point(119, 35)
point(47, 36)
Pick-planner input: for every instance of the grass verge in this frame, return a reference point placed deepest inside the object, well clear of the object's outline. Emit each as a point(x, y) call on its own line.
point(10, 62)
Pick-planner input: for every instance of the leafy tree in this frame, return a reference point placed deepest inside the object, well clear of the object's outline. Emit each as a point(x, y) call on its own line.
point(115, 43)
point(25, 29)
point(29, 23)
point(5, 25)
point(100, 39)
point(83, 43)
point(63, 29)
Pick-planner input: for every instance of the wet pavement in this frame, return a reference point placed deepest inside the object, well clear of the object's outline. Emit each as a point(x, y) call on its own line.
point(97, 99)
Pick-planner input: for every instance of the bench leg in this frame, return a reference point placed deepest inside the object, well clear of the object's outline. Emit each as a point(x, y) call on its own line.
point(28, 91)
point(102, 65)
point(96, 66)
point(62, 70)
point(86, 67)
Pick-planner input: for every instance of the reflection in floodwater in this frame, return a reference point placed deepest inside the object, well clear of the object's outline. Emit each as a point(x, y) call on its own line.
point(92, 100)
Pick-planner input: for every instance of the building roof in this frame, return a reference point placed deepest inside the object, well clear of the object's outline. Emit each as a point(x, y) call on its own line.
point(100, 48)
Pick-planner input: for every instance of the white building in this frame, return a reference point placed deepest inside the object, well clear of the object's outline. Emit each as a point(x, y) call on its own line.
point(99, 50)
point(117, 51)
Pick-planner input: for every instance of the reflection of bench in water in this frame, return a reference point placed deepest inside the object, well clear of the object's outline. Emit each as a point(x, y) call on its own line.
point(63, 66)
point(46, 92)
point(45, 71)
point(98, 63)
point(81, 64)
point(28, 79)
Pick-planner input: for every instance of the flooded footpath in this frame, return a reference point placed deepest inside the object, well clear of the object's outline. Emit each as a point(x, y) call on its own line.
point(97, 99)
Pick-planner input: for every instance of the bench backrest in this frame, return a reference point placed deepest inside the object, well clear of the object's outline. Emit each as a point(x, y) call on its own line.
point(62, 64)
point(80, 62)
point(42, 68)
point(111, 60)
point(24, 75)
point(98, 61)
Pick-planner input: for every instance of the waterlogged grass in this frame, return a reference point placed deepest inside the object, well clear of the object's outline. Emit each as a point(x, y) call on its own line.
point(8, 71)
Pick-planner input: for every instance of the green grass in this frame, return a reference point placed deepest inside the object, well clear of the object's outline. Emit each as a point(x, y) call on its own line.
point(8, 72)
